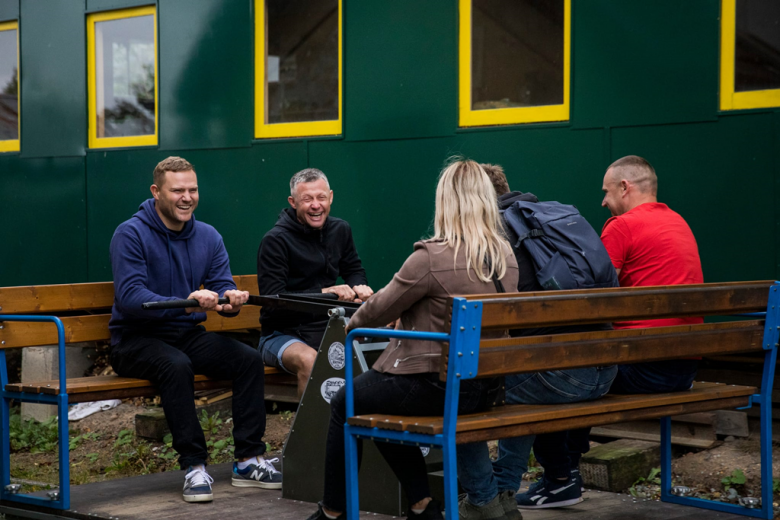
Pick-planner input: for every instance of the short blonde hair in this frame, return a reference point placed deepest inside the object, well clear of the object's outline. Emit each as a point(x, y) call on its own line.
point(467, 216)
point(171, 164)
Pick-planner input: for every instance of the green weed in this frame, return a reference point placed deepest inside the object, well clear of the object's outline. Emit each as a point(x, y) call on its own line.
point(737, 478)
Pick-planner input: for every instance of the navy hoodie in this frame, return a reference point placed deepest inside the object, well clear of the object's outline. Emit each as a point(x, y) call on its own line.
point(152, 263)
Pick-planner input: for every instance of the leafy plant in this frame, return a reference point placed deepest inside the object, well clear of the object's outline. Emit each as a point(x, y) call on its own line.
point(33, 436)
point(654, 477)
point(124, 437)
point(737, 478)
point(775, 485)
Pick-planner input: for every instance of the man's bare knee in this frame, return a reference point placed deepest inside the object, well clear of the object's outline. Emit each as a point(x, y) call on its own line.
point(299, 358)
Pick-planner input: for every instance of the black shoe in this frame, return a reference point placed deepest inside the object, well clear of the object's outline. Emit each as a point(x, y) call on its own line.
point(552, 493)
point(320, 514)
point(575, 473)
point(432, 512)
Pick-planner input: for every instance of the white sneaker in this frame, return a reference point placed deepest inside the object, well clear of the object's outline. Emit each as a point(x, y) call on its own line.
point(197, 486)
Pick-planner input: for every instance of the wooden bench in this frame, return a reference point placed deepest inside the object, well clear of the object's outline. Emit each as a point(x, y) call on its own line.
point(467, 356)
point(80, 313)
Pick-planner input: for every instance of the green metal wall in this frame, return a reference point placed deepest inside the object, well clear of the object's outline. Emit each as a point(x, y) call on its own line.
point(644, 81)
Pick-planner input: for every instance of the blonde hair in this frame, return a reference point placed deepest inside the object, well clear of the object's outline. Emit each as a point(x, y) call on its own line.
point(467, 216)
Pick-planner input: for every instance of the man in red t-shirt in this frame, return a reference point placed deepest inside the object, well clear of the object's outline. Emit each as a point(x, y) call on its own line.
point(649, 244)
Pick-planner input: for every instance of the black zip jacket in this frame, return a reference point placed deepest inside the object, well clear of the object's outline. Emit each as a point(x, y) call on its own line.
point(295, 258)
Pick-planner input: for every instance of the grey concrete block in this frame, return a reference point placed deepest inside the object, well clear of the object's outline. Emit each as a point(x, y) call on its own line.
point(151, 423)
point(42, 364)
point(616, 465)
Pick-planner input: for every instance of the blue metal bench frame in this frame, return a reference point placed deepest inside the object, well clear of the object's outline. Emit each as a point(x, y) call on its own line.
point(463, 341)
point(62, 500)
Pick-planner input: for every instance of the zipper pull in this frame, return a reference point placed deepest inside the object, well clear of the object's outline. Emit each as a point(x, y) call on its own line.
point(395, 365)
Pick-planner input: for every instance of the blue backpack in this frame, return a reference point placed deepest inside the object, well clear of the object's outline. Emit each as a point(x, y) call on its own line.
point(566, 250)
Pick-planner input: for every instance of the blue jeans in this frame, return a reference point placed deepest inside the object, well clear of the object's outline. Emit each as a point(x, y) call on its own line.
point(655, 377)
point(481, 479)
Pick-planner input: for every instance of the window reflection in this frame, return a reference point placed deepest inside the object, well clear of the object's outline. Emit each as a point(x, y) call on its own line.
point(517, 53)
point(302, 61)
point(125, 75)
point(757, 57)
point(9, 86)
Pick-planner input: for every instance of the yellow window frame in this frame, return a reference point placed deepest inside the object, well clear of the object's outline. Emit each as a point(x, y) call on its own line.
point(516, 115)
point(729, 99)
point(12, 145)
point(265, 130)
point(117, 142)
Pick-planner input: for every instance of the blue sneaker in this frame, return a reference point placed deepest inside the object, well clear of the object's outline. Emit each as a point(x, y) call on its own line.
point(550, 494)
point(197, 486)
point(259, 473)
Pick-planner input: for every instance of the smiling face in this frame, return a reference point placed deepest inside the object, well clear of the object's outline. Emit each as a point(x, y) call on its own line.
point(311, 202)
point(176, 199)
point(614, 191)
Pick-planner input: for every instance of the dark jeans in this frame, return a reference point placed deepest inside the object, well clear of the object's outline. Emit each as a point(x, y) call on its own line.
point(639, 378)
point(416, 394)
point(652, 378)
point(171, 358)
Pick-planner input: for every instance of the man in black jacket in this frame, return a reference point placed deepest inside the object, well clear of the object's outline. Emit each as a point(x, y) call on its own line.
point(305, 252)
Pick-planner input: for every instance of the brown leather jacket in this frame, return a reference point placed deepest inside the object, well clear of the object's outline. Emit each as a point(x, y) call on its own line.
point(418, 294)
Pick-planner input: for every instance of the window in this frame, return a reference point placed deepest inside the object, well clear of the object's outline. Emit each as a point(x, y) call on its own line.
point(122, 67)
point(297, 68)
point(9, 87)
point(514, 61)
point(749, 54)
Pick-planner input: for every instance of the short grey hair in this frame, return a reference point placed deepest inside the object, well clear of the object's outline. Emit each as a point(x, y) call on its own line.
point(307, 175)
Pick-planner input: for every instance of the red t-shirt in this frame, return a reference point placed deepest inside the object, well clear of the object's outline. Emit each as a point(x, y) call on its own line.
point(653, 245)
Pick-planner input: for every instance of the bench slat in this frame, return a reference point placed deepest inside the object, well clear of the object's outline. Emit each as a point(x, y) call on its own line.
point(570, 423)
point(81, 385)
point(95, 328)
point(521, 310)
point(523, 414)
point(564, 351)
point(76, 297)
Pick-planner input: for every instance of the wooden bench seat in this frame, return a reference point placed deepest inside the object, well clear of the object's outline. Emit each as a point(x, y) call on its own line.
point(85, 389)
point(465, 355)
point(524, 419)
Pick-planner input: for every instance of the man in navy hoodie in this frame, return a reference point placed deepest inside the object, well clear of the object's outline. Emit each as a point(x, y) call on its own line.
point(163, 253)
point(305, 252)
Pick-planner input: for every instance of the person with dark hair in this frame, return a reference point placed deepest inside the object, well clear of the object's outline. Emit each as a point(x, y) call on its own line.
point(558, 452)
point(305, 252)
point(162, 253)
point(649, 244)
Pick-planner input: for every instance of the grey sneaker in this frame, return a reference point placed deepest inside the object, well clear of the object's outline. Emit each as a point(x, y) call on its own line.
point(507, 500)
point(490, 511)
point(197, 486)
point(260, 473)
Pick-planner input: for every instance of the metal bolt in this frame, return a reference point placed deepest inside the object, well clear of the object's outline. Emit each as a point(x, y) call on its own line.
point(457, 375)
point(472, 352)
point(54, 495)
point(460, 354)
point(473, 327)
point(464, 307)
point(470, 373)
point(475, 306)
point(13, 488)
point(681, 491)
point(2, 342)
point(462, 329)
point(2, 326)
point(750, 502)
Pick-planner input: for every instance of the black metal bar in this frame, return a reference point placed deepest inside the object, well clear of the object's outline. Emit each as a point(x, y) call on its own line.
point(314, 303)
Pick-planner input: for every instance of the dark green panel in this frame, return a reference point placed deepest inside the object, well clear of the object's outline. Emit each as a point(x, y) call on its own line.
point(552, 163)
point(718, 177)
point(110, 5)
point(241, 194)
point(53, 81)
point(44, 223)
point(644, 62)
point(206, 74)
point(401, 69)
point(9, 10)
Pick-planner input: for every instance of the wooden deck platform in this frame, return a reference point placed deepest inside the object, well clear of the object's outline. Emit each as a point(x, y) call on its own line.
point(159, 497)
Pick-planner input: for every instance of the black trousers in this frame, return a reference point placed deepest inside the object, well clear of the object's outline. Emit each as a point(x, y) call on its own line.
point(415, 394)
point(171, 358)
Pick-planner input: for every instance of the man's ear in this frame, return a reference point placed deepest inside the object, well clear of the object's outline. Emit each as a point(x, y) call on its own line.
point(291, 200)
point(625, 185)
point(155, 191)
point(331, 196)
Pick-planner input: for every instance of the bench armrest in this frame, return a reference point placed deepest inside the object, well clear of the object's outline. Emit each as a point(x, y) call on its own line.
point(378, 333)
point(60, 345)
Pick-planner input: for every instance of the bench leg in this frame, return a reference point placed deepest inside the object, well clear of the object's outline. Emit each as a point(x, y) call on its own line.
point(450, 478)
point(351, 473)
point(5, 457)
point(666, 457)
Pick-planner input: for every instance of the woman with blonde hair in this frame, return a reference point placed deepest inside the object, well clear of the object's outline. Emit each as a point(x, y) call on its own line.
point(467, 254)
